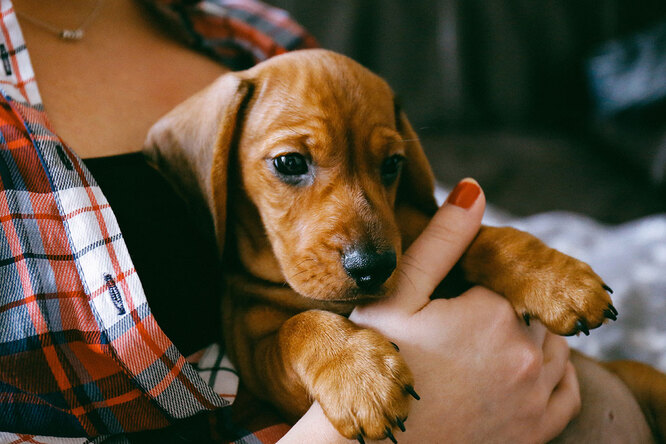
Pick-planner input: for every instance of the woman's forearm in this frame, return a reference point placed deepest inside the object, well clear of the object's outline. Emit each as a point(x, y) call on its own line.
point(313, 427)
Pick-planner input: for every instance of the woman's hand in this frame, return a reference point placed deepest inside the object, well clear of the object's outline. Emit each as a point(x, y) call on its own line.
point(482, 375)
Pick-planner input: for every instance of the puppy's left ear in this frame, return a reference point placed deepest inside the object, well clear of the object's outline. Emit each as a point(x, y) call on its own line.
point(415, 201)
point(190, 146)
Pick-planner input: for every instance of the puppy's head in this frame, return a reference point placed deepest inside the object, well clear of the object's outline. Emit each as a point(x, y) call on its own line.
point(308, 167)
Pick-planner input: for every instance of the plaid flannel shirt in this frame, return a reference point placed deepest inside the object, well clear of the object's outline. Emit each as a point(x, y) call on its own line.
point(80, 352)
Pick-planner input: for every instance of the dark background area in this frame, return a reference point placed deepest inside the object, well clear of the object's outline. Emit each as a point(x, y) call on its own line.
point(511, 92)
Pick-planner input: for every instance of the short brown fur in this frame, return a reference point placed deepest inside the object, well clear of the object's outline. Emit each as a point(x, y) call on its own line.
point(286, 293)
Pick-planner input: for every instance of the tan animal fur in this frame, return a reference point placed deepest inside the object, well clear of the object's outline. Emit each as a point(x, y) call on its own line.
point(284, 244)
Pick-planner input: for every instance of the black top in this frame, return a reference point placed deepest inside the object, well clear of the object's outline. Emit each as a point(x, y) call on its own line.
point(176, 264)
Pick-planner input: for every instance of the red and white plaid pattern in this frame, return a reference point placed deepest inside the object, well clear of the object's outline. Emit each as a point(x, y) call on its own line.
point(80, 352)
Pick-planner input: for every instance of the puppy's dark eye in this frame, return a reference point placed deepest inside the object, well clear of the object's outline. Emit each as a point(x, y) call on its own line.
point(391, 168)
point(292, 164)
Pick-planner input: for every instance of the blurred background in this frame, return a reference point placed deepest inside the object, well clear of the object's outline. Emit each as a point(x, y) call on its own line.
point(550, 104)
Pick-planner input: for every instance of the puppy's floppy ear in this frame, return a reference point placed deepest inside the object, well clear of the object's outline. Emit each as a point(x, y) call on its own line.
point(190, 146)
point(415, 201)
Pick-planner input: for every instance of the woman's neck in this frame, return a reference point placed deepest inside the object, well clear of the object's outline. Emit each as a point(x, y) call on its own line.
point(103, 92)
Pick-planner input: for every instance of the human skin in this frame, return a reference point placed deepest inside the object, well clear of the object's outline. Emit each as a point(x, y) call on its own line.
point(103, 93)
point(482, 375)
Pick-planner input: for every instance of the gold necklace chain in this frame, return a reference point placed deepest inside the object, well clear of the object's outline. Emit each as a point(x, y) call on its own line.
point(70, 35)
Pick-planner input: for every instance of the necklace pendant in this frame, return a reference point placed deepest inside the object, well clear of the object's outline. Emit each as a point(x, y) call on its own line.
point(71, 34)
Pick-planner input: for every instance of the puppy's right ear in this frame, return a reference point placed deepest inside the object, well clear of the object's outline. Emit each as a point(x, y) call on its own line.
point(190, 146)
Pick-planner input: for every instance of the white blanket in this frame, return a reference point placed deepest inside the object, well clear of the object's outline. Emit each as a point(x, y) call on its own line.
point(631, 258)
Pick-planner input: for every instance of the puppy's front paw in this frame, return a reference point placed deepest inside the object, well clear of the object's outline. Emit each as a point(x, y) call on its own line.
point(565, 294)
point(365, 390)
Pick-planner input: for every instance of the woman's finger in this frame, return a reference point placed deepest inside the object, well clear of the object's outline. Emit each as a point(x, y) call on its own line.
point(438, 248)
point(556, 353)
point(564, 404)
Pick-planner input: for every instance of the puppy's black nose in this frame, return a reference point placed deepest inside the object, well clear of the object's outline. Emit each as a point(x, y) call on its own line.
point(368, 268)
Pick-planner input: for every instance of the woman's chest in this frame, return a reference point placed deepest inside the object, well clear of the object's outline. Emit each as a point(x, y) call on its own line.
point(103, 93)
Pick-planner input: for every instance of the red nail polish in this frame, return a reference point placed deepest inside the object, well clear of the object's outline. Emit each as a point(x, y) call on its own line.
point(464, 194)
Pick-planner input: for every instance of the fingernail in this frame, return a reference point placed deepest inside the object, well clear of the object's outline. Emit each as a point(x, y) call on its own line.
point(464, 194)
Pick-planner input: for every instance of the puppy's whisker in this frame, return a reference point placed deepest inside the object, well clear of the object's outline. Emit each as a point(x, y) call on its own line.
point(297, 274)
point(305, 260)
point(416, 139)
point(300, 264)
point(294, 131)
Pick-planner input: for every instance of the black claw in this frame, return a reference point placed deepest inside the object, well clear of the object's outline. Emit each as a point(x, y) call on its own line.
point(409, 389)
point(390, 436)
point(401, 424)
point(611, 308)
point(395, 346)
point(360, 439)
point(610, 315)
point(526, 317)
point(607, 288)
point(581, 325)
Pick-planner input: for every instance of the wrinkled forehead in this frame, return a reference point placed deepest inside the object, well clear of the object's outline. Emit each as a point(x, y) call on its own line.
point(328, 88)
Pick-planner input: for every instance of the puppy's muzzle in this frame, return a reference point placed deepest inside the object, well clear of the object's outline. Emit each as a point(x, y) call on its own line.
point(369, 268)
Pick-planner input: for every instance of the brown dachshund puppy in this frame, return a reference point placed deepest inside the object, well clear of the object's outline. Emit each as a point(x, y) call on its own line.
point(316, 183)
